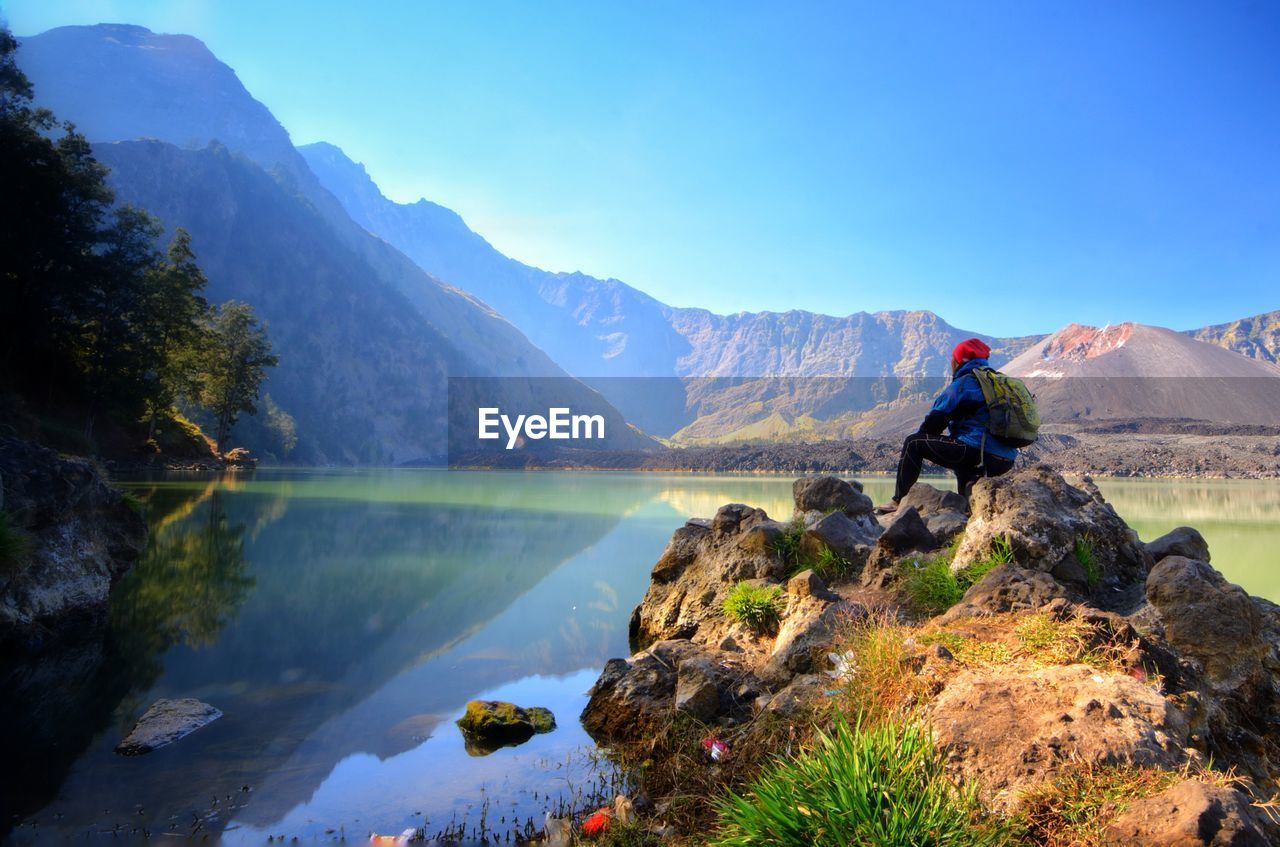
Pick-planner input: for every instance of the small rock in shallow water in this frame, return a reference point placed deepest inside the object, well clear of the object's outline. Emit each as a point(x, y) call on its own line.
point(490, 724)
point(164, 723)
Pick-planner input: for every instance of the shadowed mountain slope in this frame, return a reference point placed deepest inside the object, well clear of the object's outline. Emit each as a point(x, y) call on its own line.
point(366, 337)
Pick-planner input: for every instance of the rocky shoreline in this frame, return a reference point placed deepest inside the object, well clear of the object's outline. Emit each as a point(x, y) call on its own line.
point(79, 535)
point(1047, 649)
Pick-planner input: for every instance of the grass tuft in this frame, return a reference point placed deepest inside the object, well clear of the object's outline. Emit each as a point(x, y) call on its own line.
point(829, 564)
point(753, 605)
point(787, 545)
point(885, 686)
point(884, 784)
point(932, 586)
point(1083, 550)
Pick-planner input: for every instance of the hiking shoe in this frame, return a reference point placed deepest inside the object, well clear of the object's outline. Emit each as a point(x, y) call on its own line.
point(888, 508)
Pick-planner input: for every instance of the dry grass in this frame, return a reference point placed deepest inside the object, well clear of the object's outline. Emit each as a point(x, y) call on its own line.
point(1038, 639)
point(1077, 806)
point(883, 684)
point(889, 681)
point(673, 769)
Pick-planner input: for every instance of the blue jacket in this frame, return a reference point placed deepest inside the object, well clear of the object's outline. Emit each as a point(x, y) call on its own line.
point(962, 408)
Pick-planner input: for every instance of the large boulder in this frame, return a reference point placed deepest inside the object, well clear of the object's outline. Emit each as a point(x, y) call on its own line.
point(830, 494)
point(1191, 814)
point(931, 501)
point(635, 698)
point(1042, 518)
point(1006, 588)
point(1182, 541)
point(1010, 731)
point(907, 533)
point(850, 538)
point(1209, 620)
point(82, 538)
point(698, 569)
point(905, 536)
point(166, 722)
point(944, 512)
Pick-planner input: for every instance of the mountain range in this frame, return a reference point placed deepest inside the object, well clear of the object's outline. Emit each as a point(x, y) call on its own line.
point(367, 339)
point(436, 298)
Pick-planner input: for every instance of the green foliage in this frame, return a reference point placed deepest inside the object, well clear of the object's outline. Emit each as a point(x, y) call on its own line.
point(235, 360)
point(272, 431)
point(65, 438)
point(932, 586)
point(885, 784)
point(829, 564)
point(1083, 550)
point(787, 545)
point(93, 317)
point(15, 544)
point(753, 605)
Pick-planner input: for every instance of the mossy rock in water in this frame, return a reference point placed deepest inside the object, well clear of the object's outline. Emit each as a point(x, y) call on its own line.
point(490, 724)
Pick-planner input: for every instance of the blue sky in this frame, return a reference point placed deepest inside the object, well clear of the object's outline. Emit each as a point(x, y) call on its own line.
point(1012, 166)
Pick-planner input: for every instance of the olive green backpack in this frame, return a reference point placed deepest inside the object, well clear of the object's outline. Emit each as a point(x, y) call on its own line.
point(1011, 407)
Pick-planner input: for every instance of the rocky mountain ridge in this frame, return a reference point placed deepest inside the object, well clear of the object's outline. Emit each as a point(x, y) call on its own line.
point(373, 337)
point(708, 378)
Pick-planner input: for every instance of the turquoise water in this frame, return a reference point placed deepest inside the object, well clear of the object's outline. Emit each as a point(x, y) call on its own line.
point(342, 619)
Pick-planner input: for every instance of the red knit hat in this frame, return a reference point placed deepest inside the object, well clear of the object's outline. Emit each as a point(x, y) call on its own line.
point(970, 349)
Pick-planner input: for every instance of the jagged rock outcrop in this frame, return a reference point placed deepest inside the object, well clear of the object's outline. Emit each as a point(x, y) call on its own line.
point(1192, 814)
point(635, 698)
point(1079, 652)
point(1043, 518)
point(82, 537)
point(695, 658)
point(830, 494)
point(1208, 619)
point(944, 512)
point(849, 538)
point(1230, 643)
point(1010, 731)
point(701, 564)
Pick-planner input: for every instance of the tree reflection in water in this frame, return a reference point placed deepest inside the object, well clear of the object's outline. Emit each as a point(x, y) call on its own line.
point(189, 583)
point(183, 590)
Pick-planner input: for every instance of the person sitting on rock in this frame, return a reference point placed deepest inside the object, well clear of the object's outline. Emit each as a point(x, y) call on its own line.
point(970, 450)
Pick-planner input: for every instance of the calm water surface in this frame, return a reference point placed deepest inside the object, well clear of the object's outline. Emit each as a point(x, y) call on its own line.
point(342, 620)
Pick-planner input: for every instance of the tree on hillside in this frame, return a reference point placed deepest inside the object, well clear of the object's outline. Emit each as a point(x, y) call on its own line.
point(113, 348)
point(234, 363)
point(175, 327)
point(54, 201)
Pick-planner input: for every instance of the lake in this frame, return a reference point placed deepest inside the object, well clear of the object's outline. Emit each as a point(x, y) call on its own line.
point(342, 619)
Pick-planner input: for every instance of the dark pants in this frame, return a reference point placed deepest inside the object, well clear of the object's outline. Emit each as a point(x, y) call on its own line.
point(951, 454)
